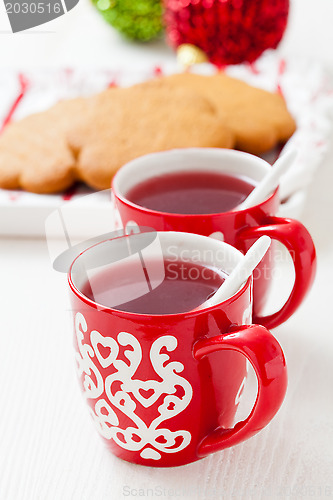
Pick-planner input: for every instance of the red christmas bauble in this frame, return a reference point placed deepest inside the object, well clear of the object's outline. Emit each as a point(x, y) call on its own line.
point(228, 31)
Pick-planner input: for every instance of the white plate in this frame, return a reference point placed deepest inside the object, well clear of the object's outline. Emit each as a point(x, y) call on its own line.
point(304, 84)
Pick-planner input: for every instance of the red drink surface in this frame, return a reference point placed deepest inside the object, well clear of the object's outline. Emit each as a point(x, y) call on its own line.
point(186, 285)
point(191, 192)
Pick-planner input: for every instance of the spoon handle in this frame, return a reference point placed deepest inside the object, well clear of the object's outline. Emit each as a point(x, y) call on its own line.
point(270, 182)
point(241, 272)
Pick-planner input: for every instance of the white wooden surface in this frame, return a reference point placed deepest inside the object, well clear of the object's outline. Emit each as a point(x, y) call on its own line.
point(48, 446)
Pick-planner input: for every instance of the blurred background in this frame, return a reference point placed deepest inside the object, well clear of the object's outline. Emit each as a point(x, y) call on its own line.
point(83, 37)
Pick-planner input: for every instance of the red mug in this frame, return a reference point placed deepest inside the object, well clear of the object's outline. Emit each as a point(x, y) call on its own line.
point(163, 390)
point(239, 228)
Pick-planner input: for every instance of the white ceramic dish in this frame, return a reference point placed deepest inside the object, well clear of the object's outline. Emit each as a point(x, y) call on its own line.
point(305, 86)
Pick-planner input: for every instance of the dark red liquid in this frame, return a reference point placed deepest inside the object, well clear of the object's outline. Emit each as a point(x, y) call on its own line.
point(191, 192)
point(184, 287)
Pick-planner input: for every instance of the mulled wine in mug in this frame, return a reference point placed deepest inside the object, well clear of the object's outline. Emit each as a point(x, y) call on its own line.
point(198, 190)
point(150, 358)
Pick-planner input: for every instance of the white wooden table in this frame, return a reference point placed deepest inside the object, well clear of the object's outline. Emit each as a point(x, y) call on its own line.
point(49, 448)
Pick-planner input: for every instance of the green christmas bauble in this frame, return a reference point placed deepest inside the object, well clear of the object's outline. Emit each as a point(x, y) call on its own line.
point(136, 19)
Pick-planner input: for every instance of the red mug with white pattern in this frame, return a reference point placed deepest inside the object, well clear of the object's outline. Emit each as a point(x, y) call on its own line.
point(239, 228)
point(163, 389)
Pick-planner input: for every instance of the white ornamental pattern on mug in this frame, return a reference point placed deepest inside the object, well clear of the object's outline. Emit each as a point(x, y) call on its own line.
point(124, 391)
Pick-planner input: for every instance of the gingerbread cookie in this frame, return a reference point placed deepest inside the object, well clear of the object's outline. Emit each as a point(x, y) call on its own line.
point(34, 152)
point(90, 139)
point(127, 123)
point(259, 119)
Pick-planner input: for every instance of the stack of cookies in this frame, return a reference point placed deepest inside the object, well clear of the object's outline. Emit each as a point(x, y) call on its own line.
point(89, 139)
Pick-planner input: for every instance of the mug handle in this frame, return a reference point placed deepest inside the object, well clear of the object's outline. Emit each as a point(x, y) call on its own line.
point(296, 238)
point(263, 351)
